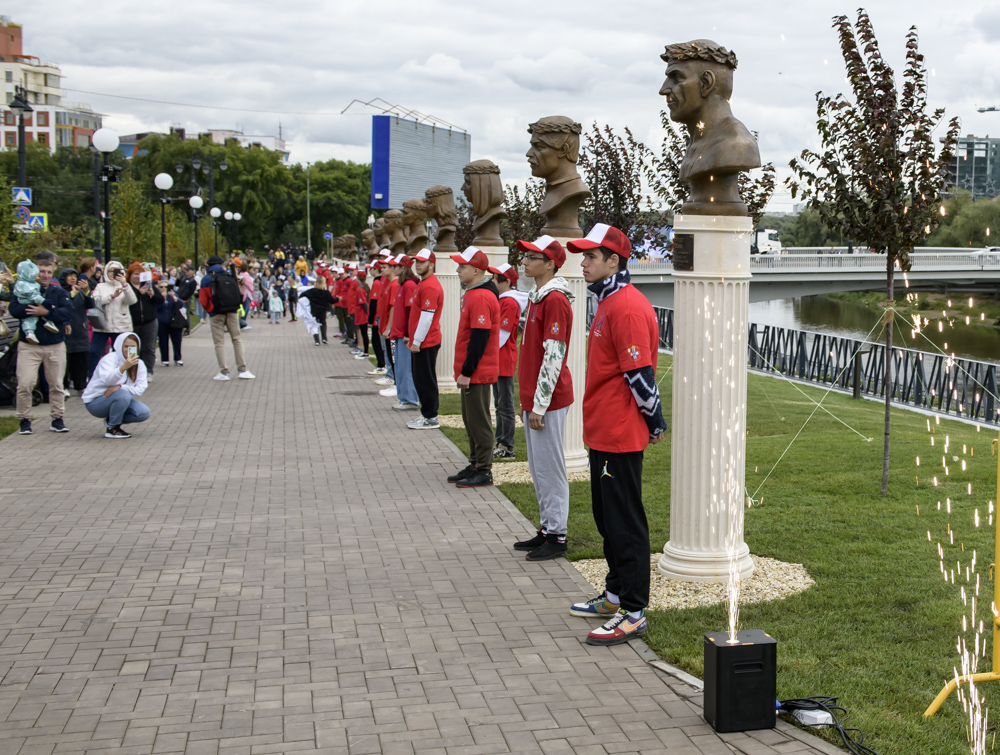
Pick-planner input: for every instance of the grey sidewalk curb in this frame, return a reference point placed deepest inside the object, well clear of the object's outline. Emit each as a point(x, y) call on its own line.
point(644, 651)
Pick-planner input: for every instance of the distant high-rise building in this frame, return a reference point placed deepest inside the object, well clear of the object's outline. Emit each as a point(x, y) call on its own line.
point(976, 168)
point(54, 122)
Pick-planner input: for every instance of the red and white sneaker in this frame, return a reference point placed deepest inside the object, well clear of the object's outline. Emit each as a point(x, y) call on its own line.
point(618, 629)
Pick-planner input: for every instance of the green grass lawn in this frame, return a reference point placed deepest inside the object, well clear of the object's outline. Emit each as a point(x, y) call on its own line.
point(8, 425)
point(879, 628)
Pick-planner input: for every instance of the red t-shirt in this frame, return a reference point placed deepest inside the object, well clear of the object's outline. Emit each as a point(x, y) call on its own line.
point(350, 291)
point(510, 317)
point(429, 296)
point(480, 310)
point(549, 319)
point(624, 336)
point(401, 308)
point(360, 297)
point(375, 287)
point(385, 304)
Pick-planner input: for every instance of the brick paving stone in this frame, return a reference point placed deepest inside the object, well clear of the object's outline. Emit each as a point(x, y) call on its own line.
point(258, 571)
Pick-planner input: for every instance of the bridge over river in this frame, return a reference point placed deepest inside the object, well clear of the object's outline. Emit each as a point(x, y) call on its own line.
point(800, 273)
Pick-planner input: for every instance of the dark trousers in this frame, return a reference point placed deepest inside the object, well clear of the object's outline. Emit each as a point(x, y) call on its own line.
point(351, 336)
point(503, 400)
point(388, 353)
point(341, 313)
point(363, 330)
point(616, 494)
point(167, 336)
point(425, 380)
point(99, 343)
point(147, 343)
point(478, 425)
point(377, 348)
point(76, 370)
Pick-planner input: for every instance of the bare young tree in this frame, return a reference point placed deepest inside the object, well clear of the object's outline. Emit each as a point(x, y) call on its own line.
point(878, 178)
point(524, 216)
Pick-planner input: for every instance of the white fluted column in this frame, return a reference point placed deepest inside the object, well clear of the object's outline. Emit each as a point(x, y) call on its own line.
point(576, 360)
point(708, 428)
point(447, 274)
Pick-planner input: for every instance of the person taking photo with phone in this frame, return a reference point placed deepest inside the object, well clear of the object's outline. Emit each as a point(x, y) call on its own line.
point(145, 322)
point(114, 389)
point(112, 299)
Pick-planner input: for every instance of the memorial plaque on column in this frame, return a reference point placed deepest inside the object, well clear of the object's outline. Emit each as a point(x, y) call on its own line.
point(683, 249)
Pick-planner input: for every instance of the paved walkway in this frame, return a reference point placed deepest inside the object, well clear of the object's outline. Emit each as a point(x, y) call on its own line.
point(253, 573)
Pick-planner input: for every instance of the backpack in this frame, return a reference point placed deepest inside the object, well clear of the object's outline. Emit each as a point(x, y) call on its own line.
point(226, 296)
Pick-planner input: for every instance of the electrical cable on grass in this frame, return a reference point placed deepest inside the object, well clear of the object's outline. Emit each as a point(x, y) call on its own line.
point(829, 704)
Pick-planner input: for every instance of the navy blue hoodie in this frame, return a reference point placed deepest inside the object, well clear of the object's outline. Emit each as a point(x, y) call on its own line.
point(60, 312)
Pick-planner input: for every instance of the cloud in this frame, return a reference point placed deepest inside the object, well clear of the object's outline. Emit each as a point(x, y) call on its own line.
point(440, 68)
point(563, 70)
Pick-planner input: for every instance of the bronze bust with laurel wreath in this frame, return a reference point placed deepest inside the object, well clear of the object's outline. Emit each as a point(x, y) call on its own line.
point(698, 87)
point(554, 153)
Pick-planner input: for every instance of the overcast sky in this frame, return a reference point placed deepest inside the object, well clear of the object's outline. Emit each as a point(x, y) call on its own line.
point(490, 68)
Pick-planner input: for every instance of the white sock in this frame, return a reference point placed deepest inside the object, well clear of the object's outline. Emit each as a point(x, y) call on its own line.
point(635, 614)
point(611, 597)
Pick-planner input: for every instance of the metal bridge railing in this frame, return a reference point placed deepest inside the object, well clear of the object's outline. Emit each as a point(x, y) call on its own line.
point(807, 262)
point(949, 386)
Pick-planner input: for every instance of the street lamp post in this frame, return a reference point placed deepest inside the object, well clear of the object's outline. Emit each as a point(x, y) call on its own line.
point(205, 164)
point(106, 141)
point(237, 217)
point(195, 203)
point(229, 230)
point(20, 106)
point(164, 183)
point(97, 201)
point(215, 212)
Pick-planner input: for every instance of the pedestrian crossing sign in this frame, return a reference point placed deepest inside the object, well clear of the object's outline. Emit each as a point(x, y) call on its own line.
point(20, 195)
point(39, 222)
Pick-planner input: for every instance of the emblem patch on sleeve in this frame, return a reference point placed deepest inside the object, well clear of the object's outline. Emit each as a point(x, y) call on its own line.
point(633, 352)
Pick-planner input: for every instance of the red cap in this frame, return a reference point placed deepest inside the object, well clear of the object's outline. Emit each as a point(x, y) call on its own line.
point(607, 236)
point(362, 275)
point(507, 271)
point(425, 254)
point(474, 256)
point(545, 245)
point(404, 260)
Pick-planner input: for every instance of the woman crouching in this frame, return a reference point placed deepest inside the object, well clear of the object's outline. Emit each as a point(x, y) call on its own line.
point(113, 392)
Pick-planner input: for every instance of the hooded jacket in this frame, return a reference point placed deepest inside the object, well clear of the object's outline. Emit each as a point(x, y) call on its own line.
point(77, 341)
point(116, 310)
point(108, 373)
point(144, 311)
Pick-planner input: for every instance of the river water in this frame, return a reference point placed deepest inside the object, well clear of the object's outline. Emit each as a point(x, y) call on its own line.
point(824, 315)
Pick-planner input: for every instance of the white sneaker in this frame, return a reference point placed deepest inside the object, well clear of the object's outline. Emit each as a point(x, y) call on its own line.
point(222, 376)
point(361, 356)
point(377, 371)
point(246, 375)
point(422, 423)
point(385, 381)
point(149, 377)
point(164, 364)
point(401, 407)
point(389, 392)
point(179, 363)
point(66, 394)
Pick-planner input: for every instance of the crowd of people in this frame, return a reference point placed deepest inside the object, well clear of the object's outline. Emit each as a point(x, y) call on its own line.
point(392, 306)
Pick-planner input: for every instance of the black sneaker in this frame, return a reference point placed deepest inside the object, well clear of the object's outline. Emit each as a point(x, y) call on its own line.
point(551, 549)
point(478, 479)
point(25, 427)
point(451, 478)
point(529, 545)
point(57, 426)
point(502, 453)
point(116, 433)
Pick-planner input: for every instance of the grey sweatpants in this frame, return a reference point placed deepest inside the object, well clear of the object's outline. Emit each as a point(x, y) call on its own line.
point(547, 464)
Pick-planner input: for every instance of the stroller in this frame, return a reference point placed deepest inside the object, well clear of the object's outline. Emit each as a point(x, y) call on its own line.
point(8, 377)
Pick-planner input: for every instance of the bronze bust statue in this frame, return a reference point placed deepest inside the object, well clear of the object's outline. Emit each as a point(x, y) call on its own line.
point(381, 235)
point(698, 86)
point(414, 217)
point(369, 243)
point(440, 201)
point(554, 153)
point(394, 228)
point(483, 189)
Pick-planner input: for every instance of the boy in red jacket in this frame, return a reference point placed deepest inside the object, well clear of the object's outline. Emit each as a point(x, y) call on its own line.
point(477, 363)
point(621, 416)
point(512, 303)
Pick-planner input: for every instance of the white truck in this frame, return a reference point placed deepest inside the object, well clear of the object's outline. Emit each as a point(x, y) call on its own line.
point(766, 241)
